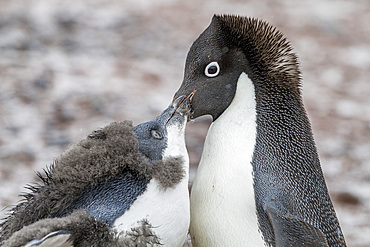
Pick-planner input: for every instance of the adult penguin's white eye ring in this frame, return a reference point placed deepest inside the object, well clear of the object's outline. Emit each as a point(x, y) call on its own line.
point(212, 69)
point(156, 134)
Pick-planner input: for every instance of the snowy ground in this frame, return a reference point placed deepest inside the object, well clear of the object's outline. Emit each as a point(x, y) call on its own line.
point(69, 67)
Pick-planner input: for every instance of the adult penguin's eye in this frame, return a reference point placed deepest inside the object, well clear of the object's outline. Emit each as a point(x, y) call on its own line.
point(156, 134)
point(212, 69)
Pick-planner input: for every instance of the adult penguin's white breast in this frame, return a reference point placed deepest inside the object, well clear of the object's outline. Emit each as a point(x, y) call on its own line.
point(224, 180)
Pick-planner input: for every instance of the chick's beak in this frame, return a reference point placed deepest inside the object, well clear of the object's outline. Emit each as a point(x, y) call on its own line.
point(183, 103)
point(181, 106)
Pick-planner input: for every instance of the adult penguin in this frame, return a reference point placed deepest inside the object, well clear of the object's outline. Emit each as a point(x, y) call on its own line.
point(259, 180)
point(121, 186)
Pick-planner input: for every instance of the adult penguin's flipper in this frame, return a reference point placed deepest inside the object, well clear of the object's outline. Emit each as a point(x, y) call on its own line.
point(292, 231)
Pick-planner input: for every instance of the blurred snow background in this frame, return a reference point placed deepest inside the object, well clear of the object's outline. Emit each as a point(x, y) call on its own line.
point(69, 67)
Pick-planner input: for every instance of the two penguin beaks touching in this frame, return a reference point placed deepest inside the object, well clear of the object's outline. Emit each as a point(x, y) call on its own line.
point(259, 181)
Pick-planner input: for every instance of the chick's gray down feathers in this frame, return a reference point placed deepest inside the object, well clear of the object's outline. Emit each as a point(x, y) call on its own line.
point(105, 154)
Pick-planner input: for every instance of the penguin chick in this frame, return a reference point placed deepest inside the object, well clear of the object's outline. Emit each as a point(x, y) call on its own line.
point(259, 181)
point(121, 186)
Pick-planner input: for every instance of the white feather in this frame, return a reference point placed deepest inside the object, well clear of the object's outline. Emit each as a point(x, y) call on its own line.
point(167, 210)
point(223, 211)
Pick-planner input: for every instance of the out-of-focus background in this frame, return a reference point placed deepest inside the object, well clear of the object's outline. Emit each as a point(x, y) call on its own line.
point(69, 67)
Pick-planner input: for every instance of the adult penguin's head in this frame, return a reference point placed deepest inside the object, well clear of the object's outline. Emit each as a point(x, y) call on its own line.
point(228, 47)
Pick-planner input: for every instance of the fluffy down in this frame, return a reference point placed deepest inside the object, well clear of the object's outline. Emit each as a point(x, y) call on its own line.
point(103, 155)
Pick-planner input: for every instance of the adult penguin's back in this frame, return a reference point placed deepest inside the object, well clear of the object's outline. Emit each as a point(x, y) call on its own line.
point(259, 181)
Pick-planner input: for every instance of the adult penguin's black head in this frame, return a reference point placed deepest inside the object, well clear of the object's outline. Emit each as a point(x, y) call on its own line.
point(230, 46)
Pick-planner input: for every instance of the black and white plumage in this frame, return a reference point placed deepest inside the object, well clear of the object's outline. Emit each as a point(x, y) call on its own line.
point(259, 181)
point(121, 186)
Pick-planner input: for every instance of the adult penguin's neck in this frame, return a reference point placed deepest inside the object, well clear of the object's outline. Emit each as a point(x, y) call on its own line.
point(237, 122)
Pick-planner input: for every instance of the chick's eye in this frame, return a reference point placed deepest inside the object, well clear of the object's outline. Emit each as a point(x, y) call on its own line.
point(212, 69)
point(156, 134)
